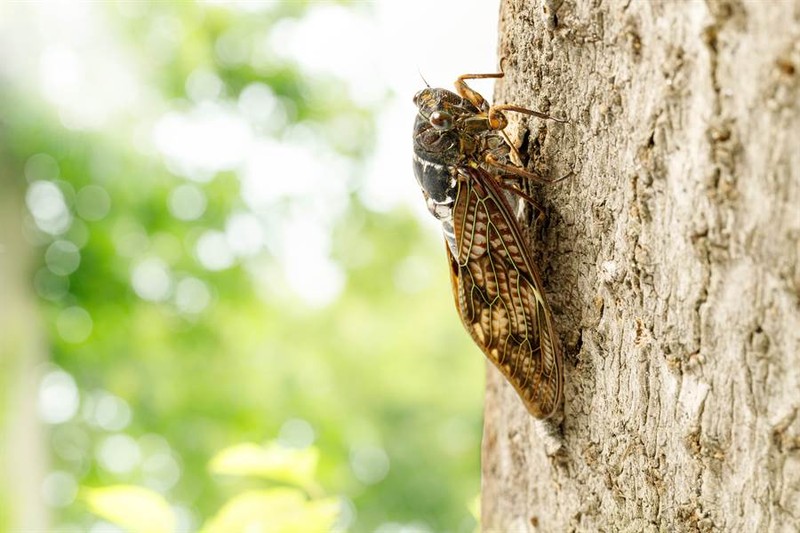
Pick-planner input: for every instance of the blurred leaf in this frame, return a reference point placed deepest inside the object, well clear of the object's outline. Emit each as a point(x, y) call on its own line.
point(474, 507)
point(135, 509)
point(273, 461)
point(275, 511)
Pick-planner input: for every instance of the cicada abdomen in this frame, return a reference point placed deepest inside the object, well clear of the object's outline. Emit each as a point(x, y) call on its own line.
point(461, 161)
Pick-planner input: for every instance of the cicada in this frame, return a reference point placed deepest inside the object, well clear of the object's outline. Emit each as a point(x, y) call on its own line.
point(463, 165)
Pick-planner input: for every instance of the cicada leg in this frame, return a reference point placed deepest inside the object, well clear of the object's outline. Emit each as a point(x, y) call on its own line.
point(491, 160)
point(497, 120)
point(472, 95)
point(498, 109)
point(539, 208)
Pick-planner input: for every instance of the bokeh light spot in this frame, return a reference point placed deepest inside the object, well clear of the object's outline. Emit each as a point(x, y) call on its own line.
point(58, 397)
point(370, 464)
point(110, 412)
point(262, 108)
point(46, 203)
point(232, 48)
point(59, 489)
point(203, 84)
point(151, 280)
point(244, 234)
point(213, 251)
point(92, 203)
point(71, 443)
point(187, 202)
point(206, 140)
point(161, 471)
point(347, 515)
point(62, 258)
point(49, 285)
point(78, 233)
point(309, 271)
point(41, 167)
point(296, 433)
point(119, 454)
point(74, 324)
point(191, 296)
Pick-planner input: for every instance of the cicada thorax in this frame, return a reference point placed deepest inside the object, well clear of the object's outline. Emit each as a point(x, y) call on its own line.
point(450, 132)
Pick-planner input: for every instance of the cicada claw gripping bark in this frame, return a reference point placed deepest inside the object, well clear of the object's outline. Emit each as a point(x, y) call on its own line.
point(461, 159)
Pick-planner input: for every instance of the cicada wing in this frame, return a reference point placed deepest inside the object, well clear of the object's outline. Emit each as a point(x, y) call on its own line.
point(499, 294)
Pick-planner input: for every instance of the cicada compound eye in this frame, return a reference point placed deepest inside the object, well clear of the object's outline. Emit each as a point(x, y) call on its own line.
point(441, 120)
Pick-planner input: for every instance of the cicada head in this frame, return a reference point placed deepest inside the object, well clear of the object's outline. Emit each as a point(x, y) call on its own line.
point(440, 145)
point(436, 135)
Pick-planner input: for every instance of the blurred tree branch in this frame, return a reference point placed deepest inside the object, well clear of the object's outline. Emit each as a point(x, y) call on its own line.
point(22, 350)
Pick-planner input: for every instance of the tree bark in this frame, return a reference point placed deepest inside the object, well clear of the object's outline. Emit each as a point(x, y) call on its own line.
point(671, 261)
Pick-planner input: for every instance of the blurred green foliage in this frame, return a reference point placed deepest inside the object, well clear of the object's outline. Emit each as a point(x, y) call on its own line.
point(382, 379)
point(298, 509)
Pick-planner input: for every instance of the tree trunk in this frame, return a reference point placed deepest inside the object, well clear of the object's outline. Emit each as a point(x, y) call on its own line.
point(671, 262)
point(23, 454)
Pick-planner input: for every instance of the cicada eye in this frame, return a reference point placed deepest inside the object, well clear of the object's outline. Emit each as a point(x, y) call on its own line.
point(417, 96)
point(441, 120)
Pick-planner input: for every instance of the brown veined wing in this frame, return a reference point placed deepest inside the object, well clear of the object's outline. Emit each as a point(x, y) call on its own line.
point(498, 293)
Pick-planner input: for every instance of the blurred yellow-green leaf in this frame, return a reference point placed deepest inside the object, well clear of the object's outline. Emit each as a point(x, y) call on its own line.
point(135, 509)
point(273, 461)
point(280, 510)
point(475, 508)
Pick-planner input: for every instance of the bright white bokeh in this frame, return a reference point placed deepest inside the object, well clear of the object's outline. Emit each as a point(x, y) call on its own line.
point(207, 139)
point(48, 206)
point(58, 398)
point(151, 279)
point(213, 251)
point(244, 233)
point(118, 453)
point(382, 51)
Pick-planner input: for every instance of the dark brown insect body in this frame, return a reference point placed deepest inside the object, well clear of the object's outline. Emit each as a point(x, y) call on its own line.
point(461, 161)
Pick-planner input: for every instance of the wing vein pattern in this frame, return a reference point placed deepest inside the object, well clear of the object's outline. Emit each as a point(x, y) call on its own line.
point(499, 293)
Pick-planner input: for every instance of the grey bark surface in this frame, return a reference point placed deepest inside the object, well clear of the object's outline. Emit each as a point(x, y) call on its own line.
point(672, 264)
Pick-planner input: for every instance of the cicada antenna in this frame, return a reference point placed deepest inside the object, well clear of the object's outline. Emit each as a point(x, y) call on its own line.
point(428, 85)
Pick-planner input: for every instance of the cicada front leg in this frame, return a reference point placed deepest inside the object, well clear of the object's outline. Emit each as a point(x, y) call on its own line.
point(465, 91)
point(496, 117)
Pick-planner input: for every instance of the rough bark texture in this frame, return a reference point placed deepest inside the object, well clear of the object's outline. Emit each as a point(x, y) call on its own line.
point(671, 261)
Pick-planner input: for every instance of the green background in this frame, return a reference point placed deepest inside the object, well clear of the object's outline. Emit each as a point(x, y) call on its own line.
point(381, 379)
